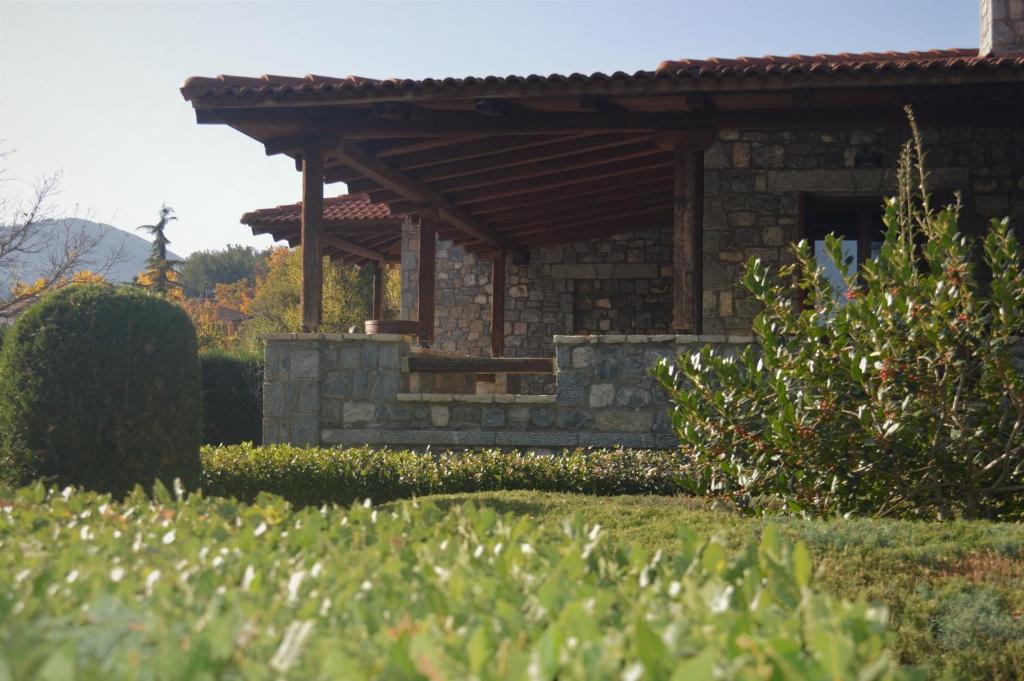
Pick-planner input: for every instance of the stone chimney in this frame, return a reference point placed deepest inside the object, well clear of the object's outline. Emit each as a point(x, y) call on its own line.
point(1002, 28)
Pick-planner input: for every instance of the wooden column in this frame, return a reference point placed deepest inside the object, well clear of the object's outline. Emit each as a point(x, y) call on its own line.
point(498, 305)
point(688, 233)
point(312, 255)
point(377, 310)
point(428, 248)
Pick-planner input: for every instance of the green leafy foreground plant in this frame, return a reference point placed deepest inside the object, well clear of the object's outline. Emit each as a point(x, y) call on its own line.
point(903, 397)
point(169, 587)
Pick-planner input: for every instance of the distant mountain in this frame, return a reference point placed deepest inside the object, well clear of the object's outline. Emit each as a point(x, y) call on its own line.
point(133, 250)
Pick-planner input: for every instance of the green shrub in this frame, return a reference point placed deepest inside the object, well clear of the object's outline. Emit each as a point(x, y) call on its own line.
point(232, 397)
point(100, 387)
point(341, 476)
point(209, 588)
point(902, 398)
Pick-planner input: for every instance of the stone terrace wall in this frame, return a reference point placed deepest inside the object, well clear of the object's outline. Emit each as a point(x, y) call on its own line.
point(353, 389)
point(754, 180)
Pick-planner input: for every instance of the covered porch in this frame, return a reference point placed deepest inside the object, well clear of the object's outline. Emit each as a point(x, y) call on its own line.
point(505, 166)
point(542, 188)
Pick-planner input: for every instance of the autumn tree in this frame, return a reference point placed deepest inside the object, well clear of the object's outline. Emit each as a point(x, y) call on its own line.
point(275, 304)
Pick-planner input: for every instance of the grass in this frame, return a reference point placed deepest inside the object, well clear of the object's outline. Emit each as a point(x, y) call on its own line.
point(955, 590)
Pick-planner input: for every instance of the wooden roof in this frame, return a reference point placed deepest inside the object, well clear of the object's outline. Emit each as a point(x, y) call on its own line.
point(521, 162)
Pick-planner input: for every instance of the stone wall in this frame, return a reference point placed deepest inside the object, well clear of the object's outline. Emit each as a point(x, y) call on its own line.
point(618, 285)
point(317, 380)
point(755, 182)
point(354, 389)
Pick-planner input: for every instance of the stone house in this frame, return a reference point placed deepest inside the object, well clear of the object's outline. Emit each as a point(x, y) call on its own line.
point(599, 220)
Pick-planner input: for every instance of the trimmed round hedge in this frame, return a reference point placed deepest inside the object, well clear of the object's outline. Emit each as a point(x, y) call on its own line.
point(100, 387)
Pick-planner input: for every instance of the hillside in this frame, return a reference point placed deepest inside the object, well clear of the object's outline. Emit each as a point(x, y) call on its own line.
point(134, 251)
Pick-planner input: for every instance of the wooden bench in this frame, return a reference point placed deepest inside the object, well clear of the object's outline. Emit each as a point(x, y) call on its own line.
point(482, 365)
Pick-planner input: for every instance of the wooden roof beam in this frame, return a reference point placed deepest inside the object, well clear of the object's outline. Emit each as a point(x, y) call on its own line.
point(568, 165)
point(354, 123)
point(430, 144)
point(595, 230)
point(615, 185)
point(340, 244)
point(514, 217)
point(497, 108)
point(582, 219)
point(601, 104)
point(462, 149)
point(535, 154)
point(585, 176)
point(386, 176)
point(527, 164)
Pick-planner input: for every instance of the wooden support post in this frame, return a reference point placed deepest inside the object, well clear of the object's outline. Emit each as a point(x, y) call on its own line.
point(498, 304)
point(428, 248)
point(312, 255)
point(377, 310)
point(688, 232)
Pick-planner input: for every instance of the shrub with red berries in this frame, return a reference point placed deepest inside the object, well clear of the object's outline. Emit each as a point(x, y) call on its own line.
point(899, 398)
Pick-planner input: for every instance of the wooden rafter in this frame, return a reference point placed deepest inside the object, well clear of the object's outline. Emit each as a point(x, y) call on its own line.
point(597, 230)
point(523, 157)
point(462, 149)
point(616, 184)
point(381, 172)
point(583, 220)
point(351, 247)
point(525, 164)
point(568, 165)
point(581, 216)
point(600, 200)
point(585, 176)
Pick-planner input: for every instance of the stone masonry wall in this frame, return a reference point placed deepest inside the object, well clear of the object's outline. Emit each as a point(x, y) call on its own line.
point(754, 181)
point(618, 285)
point(353, 389)
point(318, 380)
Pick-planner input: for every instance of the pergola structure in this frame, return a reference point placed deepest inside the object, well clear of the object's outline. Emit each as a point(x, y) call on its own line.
point(504, 165)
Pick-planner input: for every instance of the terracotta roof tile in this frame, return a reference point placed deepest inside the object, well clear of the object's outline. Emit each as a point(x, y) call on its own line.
point(338, 211)
point(842, 62)
point(355, 87)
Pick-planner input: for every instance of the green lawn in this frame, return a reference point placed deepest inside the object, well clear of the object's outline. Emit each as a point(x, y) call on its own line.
point(955, 590)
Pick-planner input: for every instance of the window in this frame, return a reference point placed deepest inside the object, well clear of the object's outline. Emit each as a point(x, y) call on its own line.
point(858, 222)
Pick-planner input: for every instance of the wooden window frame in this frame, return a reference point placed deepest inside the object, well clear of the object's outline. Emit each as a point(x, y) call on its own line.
point(863, 206)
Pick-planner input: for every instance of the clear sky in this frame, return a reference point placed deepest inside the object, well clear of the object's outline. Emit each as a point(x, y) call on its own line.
point(91, 89)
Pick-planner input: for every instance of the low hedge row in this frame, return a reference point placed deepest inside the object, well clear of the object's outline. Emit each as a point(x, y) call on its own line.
point(232, 396)
point(341, 476)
